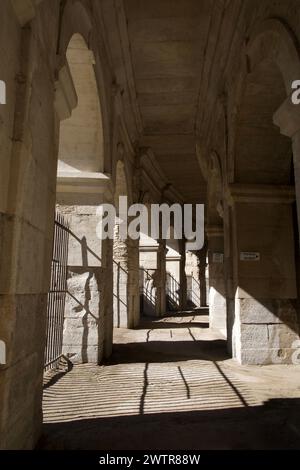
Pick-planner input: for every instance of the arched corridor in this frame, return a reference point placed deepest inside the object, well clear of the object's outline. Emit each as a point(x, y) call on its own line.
point(149, 224)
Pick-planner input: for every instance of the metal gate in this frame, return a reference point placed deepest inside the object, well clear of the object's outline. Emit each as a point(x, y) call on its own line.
point(57, 293)
point(172, 292)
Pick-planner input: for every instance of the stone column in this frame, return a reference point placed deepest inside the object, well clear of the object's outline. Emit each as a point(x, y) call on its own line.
point(265, 324)
point(202, 276)
point(107, 296)
point(173, 278)
point(228, 272)
point(182, 279)
point(126, 281)
point(192, 277)
point(152, 276)
point(86, 322)
point(161, 278)
point(217, 295)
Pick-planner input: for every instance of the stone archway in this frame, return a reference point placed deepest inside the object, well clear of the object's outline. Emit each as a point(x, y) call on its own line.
point(81, 188)
point(261, 197)
point(81, 135)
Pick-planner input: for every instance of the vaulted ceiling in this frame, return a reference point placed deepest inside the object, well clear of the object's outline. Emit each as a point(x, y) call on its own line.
point(167, 41)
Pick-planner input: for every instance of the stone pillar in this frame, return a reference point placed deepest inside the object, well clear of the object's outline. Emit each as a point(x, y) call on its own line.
point(176, 283)
point(265, 324)
point(228, 269)
point(217, 294)
point(27, 201)
point(87, 302)
point(182, 279)
point(126, 281)
point(192, 278)
point(152, 276)
point(161, 278)
point(107, 296)
point(173, 278)
point(202, 276)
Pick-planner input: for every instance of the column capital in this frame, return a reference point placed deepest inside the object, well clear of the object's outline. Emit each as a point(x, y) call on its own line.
point(85, 183)
point(263, 193)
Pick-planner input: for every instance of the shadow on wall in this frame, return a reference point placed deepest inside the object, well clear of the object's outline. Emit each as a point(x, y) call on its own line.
point(120, 294)
point(193, 292)
point(82, 323)
point(148, 291)
point(172, 293)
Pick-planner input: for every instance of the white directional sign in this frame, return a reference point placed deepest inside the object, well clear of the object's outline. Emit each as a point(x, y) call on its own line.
point(2, 92)
point(250, 256)
point(2, 353)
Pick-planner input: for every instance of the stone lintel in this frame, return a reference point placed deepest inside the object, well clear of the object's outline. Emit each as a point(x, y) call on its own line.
point(287, 118)
point(262, 193)
point(84, 183)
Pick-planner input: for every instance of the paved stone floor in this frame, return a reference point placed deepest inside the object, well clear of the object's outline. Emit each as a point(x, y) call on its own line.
point(171, 385)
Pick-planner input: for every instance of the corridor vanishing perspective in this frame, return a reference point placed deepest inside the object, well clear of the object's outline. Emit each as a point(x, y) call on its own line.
point(149, 224)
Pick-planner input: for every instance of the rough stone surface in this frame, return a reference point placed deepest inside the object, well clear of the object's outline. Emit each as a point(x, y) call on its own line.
point(83, 324)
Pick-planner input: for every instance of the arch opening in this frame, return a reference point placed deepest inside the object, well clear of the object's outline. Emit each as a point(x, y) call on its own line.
point(81, 146)
point(264, 260)
point(262, 154)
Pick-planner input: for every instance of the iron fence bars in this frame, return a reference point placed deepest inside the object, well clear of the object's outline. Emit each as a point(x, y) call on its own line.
point(57, 293)
point(173, 292)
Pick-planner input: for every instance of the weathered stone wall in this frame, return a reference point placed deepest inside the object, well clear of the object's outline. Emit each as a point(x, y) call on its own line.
point(85, 327)
point(28, 168)
point(32, 53)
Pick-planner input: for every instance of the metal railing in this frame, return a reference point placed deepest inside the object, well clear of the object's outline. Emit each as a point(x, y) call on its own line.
point(193, 291)
point(57, 293)
point(172, 292)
